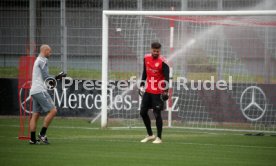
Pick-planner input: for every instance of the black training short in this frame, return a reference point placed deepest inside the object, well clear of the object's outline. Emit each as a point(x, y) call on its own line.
point(152, 101)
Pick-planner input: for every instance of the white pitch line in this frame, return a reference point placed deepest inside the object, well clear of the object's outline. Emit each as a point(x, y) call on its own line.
point(180, 143)
point(238, 146)
point(116, 140)
point(174, 129)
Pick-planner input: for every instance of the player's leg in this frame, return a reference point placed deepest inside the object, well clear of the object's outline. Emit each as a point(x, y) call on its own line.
point(47, 120)
point(159, 122)
point(145, 105)
point(158, 106)
point(47, 104)
point(33, 122)
point(144, 112)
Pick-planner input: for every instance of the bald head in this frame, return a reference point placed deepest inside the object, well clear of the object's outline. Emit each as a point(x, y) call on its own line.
point(45, 50)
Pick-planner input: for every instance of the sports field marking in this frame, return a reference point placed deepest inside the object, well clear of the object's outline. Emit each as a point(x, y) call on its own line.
point(116, 137)
point(181, 143)
point(108, 139)
point(174, 130)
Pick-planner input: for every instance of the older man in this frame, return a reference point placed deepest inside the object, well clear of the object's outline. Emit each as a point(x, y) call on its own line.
point(42, 101)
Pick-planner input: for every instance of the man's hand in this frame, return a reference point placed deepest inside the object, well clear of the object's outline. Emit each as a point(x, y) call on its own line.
point(60, 75)
point(165, 95)
point(141, 91)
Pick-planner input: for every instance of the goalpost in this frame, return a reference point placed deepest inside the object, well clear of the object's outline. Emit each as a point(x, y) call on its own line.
point(207, 43)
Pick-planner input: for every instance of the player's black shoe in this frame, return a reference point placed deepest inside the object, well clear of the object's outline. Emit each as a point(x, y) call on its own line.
point(43, 139)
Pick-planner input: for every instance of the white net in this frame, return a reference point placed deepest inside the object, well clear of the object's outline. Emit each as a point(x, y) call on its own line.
point(203, 50)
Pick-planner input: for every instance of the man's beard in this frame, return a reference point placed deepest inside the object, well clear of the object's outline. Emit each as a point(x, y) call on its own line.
point(155, 56)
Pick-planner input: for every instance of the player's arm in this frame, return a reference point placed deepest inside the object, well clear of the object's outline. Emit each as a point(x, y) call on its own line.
point(144, 76)
point(141, 90)
point(166, 72)
point(44, 71)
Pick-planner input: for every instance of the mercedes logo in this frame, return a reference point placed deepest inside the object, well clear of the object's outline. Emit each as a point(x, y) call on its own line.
point(25, 98)
point(253, 103)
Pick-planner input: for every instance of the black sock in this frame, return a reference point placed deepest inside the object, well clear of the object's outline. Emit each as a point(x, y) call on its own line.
point(43, 131)
point(33, 136)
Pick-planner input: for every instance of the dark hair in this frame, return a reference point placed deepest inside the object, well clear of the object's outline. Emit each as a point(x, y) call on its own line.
point(156, 45)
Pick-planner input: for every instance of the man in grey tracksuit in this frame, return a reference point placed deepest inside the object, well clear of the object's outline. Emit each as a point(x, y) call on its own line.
point(42, 101)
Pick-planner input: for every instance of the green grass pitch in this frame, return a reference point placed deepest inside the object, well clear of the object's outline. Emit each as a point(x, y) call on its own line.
point(77, 142)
